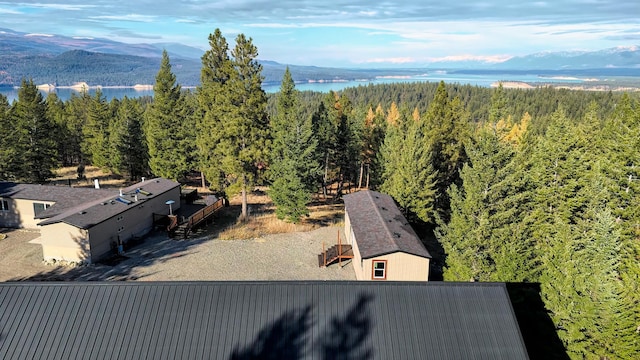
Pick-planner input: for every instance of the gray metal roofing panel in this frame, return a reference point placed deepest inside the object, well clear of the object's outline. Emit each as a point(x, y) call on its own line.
point(379, 226)
point(202, 320)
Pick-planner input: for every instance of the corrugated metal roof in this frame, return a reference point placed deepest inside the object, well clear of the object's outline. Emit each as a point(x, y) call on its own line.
point(379, 226)
point(248, 320)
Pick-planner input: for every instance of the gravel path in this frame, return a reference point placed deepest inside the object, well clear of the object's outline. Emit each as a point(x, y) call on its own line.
point(274, 257)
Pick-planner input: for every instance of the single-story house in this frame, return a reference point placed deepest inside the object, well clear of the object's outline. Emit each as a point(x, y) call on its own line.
point(385, 246)
point(258, 320)
point(85, 225)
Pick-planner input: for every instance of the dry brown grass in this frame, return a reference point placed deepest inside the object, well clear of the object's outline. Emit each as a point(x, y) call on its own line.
point(262, 219)
point(105, 177)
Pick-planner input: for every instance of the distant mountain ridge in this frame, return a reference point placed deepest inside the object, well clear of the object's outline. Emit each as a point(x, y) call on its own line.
point(62, 60)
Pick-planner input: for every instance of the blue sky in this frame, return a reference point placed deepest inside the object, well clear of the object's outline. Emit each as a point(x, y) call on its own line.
point(355, 33)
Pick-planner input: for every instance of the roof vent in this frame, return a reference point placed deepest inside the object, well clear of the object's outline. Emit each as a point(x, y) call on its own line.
point(124, 201)
point(82, 212)
point(397, 235)
point(383, 208)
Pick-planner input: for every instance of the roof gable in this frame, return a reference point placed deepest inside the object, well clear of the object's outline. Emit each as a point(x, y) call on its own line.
point(379, 226)
point(284, 320)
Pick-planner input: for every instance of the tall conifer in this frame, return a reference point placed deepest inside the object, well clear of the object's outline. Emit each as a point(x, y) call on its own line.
point(165, 128)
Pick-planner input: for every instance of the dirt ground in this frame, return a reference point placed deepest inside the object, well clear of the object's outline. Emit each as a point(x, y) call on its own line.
point(291, 256)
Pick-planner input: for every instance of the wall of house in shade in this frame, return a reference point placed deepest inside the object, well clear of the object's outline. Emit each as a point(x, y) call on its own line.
point(64, 242)
point(135, 221)
point(21, 213)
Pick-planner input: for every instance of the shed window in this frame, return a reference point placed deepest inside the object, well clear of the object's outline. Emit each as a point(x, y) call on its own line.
point(4, 205)
point(39, 207)
point(379, 270)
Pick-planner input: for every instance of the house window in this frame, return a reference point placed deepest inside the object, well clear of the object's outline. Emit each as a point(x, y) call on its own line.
point(39, 207)
point(379, 270)
point(4, 205)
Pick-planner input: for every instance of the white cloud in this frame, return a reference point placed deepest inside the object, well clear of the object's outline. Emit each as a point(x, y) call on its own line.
point(483, 58)
point(9, 11)
point(128, 17)
point(60, 6)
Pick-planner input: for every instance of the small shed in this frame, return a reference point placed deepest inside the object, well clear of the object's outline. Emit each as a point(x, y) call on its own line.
point(385, 246)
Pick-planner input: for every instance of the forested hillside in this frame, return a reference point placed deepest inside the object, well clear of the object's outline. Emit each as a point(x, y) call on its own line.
point(535, 186)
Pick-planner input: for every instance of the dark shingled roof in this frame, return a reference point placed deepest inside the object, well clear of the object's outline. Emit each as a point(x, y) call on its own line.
point(252, 320)
point(64, 197)
point(88, 214)
point(379, 227)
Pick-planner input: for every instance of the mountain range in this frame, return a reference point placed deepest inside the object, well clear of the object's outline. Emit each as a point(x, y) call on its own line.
point(62, 60)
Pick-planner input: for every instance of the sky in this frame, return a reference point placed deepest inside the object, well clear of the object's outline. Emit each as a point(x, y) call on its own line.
point(356, 33)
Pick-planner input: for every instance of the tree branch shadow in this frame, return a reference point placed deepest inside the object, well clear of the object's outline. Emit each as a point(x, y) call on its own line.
point(344, 339)
point(284, 339)
point(288, 337)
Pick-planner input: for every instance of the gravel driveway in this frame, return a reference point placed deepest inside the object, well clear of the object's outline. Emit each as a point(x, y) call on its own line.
point(274, 257)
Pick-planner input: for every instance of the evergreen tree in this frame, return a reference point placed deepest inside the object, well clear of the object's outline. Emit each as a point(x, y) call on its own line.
point(75, 117)
point(96, 131)
point(409, 176)
point(372, 139)
point(234, 104)
point(215, 102)
point(35, 149)
point(325, 132)
point(294, 166)
point(165, 128)
point(481, 239)
point(130, 154)
point(447, 122)
point(7, 148)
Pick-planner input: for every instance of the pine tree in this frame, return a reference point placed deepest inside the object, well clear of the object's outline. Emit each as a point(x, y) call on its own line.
point(215, 102)
point(34, 145)
point(165, 127)
point(447, 122)
point(130, 154)
point(481, 239)
point(294, 166)
point(75, 117)
point(7, 148)
point(325, 132)
point(96, 131)
point(409, 176)
point(234, 104)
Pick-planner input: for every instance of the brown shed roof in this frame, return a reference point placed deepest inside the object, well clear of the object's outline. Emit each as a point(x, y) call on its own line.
point(379, 226)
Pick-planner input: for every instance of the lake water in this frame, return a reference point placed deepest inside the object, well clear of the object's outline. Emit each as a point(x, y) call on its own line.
point(483, 80)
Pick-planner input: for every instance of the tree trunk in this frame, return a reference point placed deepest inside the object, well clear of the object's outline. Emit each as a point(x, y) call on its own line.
point(326, 174)
point(368, 169)
point(243, 216)
point(361, 173)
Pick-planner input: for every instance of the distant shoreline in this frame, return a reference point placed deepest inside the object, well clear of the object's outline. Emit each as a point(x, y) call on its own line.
point(83, 86)
point(560, 85)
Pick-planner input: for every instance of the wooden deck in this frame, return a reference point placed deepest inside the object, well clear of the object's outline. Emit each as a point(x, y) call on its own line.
point(196, 219)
